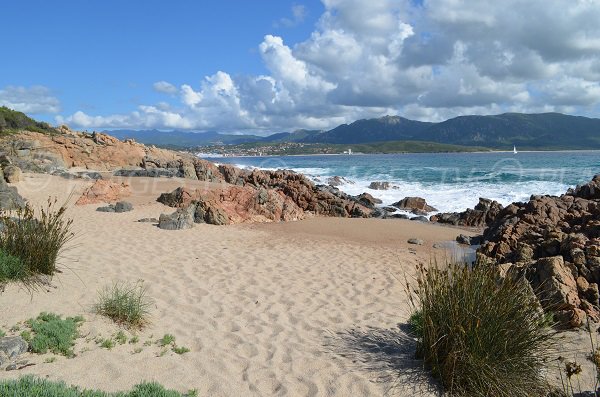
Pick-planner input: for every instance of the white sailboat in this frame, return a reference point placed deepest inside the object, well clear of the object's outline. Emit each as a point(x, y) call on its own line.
point(514, 149)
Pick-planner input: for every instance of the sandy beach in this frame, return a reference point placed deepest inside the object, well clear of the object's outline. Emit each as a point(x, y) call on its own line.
point(266, 309)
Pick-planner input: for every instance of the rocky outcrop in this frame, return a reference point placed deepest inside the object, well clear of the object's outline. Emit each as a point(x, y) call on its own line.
point(12, 174)
point(416, 205)
point(269, 196)
point(380, 185)
point(555, 242)
point(9, 197)
point(103, 191)
point(482, 215)
point(336, 181)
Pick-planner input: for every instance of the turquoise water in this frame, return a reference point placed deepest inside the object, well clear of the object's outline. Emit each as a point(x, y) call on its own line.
point(448, 181)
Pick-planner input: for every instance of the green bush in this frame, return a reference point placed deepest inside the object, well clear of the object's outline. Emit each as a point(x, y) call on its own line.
point(13, 121)
point(36, 240)
point(49, 332)
point(481, 336)
point(12, 268)
point(29, 386)
point(125, 303)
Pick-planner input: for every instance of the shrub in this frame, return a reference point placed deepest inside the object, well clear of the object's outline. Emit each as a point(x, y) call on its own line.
point(481, 336)
point(167, 339)
point(50, 332)
point(12, 268)
point(124, 303)
point(31, 386)
point(36, 241)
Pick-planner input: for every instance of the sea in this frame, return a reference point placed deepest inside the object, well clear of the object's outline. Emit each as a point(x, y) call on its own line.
point(448, 181)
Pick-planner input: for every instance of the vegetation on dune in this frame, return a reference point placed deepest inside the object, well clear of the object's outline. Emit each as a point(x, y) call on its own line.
point(49, 332)
point(31, 243)
point(480, 336)
point(126, 304)
point(12, 121)
point(35, 387)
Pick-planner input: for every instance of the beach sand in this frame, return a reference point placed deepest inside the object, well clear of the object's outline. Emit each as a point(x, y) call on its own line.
point(308, 308)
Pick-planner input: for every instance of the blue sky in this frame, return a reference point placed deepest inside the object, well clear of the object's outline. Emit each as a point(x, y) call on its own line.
point(103, 56)
point(278, 65)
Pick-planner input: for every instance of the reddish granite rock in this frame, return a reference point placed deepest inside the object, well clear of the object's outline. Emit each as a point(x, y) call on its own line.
point(553, 237)
point(103, 191)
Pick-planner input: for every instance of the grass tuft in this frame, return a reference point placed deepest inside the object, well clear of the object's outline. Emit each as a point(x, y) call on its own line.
point(31, 386)
point(36, 239)
point(481, 336)
point(124, 303)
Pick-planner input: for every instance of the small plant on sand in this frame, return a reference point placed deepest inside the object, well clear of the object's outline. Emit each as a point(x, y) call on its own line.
point(2, 334)
point(31, 386)
point(167, 339)
point(125, 303)
point(12, 268)
point(49, 332)
point(36, 238)
point(481, 336)
point(134, 339)
point(180, 349)
point(107, 343)
point(121, 338)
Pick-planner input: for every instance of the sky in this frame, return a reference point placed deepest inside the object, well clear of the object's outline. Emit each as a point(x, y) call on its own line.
point(276, 65)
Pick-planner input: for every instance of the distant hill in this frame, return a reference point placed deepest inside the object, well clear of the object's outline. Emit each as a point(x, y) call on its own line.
point(11, 121)
point(526, 131)
point(388, 128)
point(542, 131)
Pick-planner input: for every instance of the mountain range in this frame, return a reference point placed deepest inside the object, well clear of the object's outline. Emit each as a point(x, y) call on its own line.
point(526, 131)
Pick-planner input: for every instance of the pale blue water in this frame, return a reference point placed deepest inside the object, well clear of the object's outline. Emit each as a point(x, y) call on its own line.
point(449, 182)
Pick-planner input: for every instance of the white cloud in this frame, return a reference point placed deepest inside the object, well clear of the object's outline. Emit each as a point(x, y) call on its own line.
point(164, 87)
point(31, 100)
point(434, 60)
point(299, 13)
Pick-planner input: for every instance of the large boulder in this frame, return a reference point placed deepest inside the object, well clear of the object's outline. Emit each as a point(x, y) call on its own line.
point(182, 218)
point(12, 174)
point(103, 191)
point(10, 348)
point(414, 204)
point(10, 198)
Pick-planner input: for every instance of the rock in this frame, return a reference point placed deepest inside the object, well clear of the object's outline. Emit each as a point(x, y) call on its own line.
point(150, 173)
point(148, 220)
point(555, 284)
point(338, 181)
point(10, 198)
point(414, 203)
point(182, 218)
point(367, 200)
point(12, 174)
point(463, 239)
point(482, 215)
point(108, 208)
point(399, 216)
point(211, 213)
point(390, 209)
point(420, 219)
point(13, 346)
point(103, 191)
point(379, 185)
point(416, 241)
point(123, 206)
